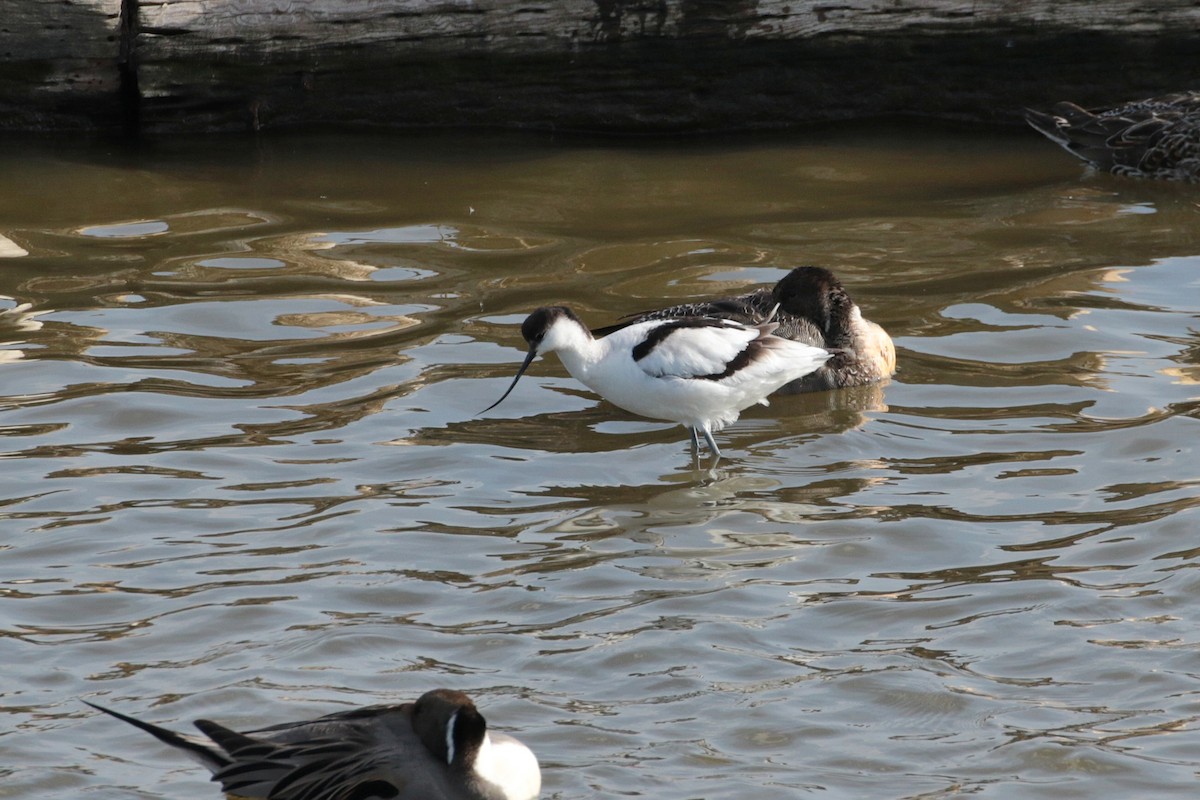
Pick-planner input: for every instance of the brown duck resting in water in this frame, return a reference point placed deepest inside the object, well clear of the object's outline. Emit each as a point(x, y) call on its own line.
point(1158, 137)
point(811, 306)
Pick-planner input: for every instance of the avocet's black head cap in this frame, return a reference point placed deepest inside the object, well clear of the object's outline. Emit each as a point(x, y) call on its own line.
point(536, 325)
point(813, 293)
point(534, 329)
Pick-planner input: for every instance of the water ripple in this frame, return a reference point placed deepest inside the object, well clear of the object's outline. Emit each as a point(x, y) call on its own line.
point(246, 476)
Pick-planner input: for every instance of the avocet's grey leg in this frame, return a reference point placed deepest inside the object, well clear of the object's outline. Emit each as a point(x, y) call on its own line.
point(712, 445)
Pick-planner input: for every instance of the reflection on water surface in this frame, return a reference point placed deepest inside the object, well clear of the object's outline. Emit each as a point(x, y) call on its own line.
point(246, 477)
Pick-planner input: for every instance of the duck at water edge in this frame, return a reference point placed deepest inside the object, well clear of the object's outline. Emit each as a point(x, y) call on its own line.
point(1158, 137)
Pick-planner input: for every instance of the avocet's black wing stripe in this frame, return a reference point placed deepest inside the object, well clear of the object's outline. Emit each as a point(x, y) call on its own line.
point(693, 347)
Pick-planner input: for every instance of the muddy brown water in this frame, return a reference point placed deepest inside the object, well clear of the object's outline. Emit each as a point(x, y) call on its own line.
point(245, 476)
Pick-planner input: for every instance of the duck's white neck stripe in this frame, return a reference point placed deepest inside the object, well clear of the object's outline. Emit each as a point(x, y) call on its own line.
point(450, 737)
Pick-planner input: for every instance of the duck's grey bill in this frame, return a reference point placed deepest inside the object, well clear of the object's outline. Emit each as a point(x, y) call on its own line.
point(513, 385)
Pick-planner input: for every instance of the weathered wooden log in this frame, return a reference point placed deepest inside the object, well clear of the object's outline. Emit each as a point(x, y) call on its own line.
point(58, 64)
point(610, 65)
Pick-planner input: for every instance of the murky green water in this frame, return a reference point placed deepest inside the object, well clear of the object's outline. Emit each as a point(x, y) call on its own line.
point(245, 477)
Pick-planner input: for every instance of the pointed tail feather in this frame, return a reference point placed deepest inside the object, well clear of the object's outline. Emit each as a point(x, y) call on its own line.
point(1047, 125)
point(196, 749)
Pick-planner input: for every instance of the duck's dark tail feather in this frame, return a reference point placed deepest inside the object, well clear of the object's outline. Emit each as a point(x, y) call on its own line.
point(1048, 125)
point(204, 754)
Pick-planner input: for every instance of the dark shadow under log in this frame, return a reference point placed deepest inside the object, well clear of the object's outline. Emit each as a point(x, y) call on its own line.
point(640, 67)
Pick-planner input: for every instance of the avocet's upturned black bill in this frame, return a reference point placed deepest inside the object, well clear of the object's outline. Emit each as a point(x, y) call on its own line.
point(437, 748)
point(698, 371)
point(811, 306)
point(524, 366)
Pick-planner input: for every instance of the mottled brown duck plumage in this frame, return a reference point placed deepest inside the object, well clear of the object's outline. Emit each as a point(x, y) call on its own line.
point(1158, 137)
